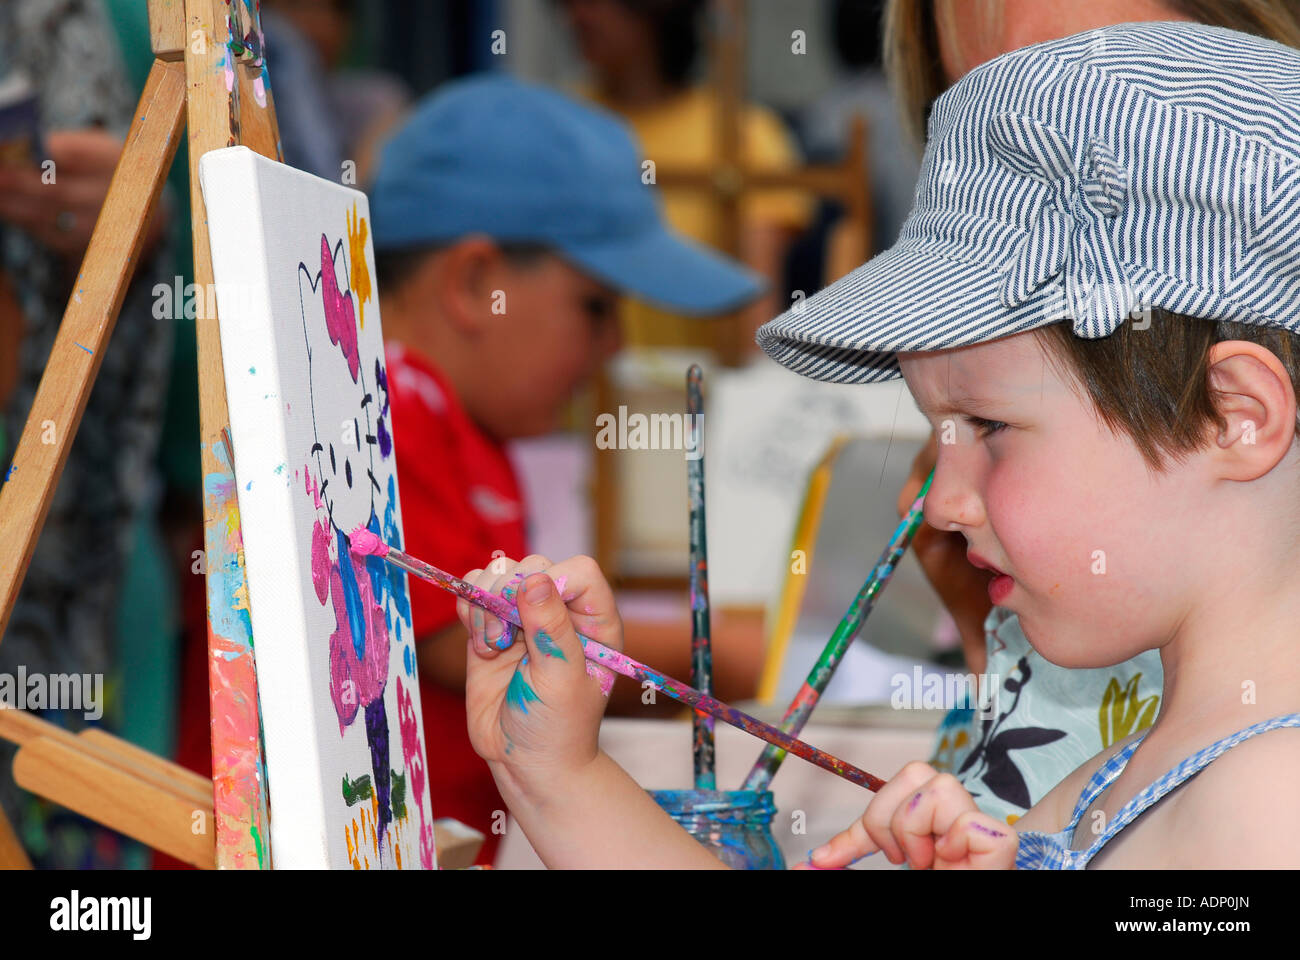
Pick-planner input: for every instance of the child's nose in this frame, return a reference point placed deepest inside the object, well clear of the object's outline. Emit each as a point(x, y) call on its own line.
point(952, 502)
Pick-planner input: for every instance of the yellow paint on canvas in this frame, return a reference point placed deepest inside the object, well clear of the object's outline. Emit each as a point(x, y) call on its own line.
point(358, 230)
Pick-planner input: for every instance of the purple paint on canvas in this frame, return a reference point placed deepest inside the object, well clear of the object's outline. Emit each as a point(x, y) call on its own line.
point(377, 737)
point(382, 435)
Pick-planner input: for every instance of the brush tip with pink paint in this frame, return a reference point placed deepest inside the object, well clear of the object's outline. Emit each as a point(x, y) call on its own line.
point(366, 543)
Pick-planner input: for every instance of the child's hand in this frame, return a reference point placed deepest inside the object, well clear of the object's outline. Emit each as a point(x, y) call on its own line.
point(536, 705)
point(927, 819)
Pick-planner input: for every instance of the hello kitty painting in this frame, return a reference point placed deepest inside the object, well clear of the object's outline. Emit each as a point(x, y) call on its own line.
point(313, 455)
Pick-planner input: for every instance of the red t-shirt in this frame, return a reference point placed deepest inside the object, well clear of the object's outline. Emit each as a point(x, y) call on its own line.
point(461, 501)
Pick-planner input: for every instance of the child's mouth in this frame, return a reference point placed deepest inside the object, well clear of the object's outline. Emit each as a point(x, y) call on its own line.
point(1001, 584)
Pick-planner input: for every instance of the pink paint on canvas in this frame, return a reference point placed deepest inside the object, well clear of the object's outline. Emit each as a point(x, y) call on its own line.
point(340, 318)
point(413, 753)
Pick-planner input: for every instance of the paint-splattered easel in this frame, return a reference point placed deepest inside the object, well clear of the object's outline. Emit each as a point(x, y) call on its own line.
point(208, 76)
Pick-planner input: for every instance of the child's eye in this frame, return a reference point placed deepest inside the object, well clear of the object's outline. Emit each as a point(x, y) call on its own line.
point(599, 309)
point(986, 428)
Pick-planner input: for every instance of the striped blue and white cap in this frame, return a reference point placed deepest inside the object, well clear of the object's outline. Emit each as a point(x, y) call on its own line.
point(1086, 179)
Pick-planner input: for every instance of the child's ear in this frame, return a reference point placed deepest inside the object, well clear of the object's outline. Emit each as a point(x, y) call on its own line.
point(1254, 395)
point(469, 272)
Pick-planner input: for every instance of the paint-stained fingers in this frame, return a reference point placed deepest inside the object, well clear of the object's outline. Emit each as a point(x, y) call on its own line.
point(590, 600)
point(488, 629)
point(899, 791)
point(509, 575)
point(548, 631)
point(928, 814)
point(844, 848)
point(473, 617)
point(977, 841)
point(910, 828)
point(603, 676)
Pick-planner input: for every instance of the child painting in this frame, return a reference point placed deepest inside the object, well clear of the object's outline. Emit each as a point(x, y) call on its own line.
point(1096, 303)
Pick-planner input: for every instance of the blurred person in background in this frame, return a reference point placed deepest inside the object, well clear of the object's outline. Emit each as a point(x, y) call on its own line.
point(508, 222)
point(329, 113)
point(641, 55)
point(860, 88)
point(92, 601)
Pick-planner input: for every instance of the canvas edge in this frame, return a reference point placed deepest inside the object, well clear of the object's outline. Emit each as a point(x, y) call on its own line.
point(301, 839)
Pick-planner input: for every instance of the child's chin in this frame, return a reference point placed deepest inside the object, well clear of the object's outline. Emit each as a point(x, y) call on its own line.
point(1073, 651)
point(1055, 645)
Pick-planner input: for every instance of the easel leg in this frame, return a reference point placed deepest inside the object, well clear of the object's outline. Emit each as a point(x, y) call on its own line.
point(215, 119)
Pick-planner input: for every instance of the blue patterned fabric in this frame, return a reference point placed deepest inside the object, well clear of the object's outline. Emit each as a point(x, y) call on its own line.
point(1086, 179)
point(1044, 722)
point(1051, 851)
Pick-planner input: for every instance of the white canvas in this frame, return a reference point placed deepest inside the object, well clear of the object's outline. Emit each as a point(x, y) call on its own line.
point(313, 458)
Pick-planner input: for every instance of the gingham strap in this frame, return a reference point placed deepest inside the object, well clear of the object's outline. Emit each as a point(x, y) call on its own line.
point(1051, 851)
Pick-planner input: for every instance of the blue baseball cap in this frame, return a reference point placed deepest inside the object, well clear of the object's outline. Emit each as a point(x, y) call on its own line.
point(1085, 180)
point(518, 162)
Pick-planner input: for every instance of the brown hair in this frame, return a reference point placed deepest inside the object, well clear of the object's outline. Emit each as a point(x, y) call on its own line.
point(915, 70)
point(1153, 383)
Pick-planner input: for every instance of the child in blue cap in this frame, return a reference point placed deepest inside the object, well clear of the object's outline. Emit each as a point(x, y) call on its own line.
point(508, 219)
point(1096, 302)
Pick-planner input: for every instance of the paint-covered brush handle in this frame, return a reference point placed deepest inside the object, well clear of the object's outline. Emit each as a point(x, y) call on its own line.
point(809, 693)
point(623, 664)
point(365, 543)
point(703, 738)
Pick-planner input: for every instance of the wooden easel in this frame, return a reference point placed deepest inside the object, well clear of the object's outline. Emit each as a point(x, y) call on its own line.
point(98, 775)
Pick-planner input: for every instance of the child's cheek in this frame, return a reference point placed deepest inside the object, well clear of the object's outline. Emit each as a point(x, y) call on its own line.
point(1018, 517)
point(1067, 533)
point(1043, 508)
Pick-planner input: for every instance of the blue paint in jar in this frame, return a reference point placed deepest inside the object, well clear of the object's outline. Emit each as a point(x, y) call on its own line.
point(736, 825)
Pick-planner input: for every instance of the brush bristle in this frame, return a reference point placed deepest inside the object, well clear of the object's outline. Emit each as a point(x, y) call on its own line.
point(365, 543)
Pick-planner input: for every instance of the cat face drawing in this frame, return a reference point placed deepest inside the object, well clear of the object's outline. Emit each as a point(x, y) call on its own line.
point(350, 477)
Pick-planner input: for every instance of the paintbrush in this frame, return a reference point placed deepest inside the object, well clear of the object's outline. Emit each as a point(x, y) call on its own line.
point(701, 642)
point(801, 707)
point(364, 542)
